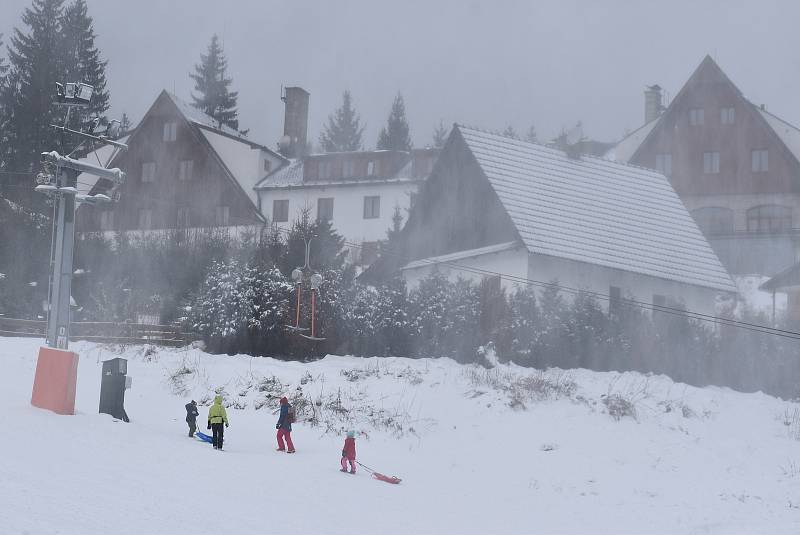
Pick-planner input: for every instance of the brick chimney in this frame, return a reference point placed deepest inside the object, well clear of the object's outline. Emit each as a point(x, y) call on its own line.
point(295, 122)
point(653, 103)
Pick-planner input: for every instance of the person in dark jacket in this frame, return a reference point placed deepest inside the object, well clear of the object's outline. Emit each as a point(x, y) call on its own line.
point(191, 416)
point(284, 427)
point(349, 452)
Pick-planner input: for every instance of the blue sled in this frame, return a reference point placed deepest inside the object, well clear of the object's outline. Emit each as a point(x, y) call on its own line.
point(204, 437)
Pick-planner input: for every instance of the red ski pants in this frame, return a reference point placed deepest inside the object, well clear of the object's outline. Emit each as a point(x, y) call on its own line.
point(288, 434)
point(352, 464)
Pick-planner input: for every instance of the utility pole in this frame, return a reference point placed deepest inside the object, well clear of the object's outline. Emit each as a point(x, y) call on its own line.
point(57, 368)
point(60, 181)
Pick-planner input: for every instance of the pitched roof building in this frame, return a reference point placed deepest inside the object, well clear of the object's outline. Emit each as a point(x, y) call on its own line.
point(735, 165)
point(525, 212)
point(183, 171)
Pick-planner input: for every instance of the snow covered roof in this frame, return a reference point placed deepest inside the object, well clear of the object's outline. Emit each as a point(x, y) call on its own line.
point(789, 134)
point(87, 181)
point(596, 211)
point(460, 255)
point(199, 118)
point(624, 150)
point(788, 278)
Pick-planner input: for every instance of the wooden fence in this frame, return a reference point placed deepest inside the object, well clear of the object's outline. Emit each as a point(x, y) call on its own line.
point(103, 332)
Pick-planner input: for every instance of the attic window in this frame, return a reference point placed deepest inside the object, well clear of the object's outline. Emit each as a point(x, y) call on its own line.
point(727, 115)
point(170, 131)
point(696, 116)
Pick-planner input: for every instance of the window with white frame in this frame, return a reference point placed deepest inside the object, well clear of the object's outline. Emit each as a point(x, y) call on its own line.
point(664, 163)
point(348, 168)
point(711, 162)
point(185, 169)
point(170, 131)
point(769, 218)
point(372, 207)
point(696, 116)
point(145, 218)
point(760, 160)
point(106, 220)
point(222, 216)
point(727, 115)
point(183, 217)
point(325, 209)
point(280, 210)
point(148, 172)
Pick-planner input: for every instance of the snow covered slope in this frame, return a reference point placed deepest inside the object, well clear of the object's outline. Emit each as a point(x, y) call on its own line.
point(504, 451)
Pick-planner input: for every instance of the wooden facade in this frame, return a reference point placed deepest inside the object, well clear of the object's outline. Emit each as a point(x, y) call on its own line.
point(733, 136)
point(735, 167)
point(175, 179)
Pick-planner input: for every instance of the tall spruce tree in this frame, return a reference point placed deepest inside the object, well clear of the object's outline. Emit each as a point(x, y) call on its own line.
point(81, 58)
point(440, 135)
point(531, 135)
point(215, 98)
point(343, 131)
point(36, 64)
point(395, 135)
point(510, 132)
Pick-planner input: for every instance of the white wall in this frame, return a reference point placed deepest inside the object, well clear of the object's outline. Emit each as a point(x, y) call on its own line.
point(599, 279)
point(571, 274)
point(512, 262)
point(348, 206)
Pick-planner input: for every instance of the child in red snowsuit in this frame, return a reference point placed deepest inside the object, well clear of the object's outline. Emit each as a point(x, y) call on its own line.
point(349, 452)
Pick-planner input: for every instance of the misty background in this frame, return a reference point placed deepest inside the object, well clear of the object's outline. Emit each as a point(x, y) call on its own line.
point(488, 64)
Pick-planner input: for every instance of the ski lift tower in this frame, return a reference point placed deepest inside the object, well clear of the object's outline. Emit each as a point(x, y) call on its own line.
point(56, 369)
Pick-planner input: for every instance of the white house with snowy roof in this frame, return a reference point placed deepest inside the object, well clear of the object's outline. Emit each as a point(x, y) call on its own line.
point(506, 211)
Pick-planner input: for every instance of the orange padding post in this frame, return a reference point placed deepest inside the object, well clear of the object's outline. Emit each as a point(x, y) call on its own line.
point(56, 379)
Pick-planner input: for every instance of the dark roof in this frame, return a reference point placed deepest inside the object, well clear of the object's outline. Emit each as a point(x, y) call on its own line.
point(787, 278)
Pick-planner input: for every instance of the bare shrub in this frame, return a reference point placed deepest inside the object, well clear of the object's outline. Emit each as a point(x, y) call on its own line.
point(179, 377)
point(621, 402)
point(791, 419)
point(790, 469)
point(539, 386)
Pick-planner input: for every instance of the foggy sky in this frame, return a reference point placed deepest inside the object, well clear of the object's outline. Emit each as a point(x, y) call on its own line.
point(486, 64)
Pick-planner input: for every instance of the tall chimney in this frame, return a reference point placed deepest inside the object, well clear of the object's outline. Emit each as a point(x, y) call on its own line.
point(295, 122)
point(653, 103)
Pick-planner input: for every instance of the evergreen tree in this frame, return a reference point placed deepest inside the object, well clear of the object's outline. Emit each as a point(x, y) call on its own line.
point(343, 131)
point(395, 135)
point(81, 59)
point(215, 98)
point(125, 125)
point(510, 132)
point(440, 135)
point(531, 136)
point(36, 64)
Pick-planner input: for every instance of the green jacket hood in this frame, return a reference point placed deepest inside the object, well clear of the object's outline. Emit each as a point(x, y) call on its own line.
point(217, 400)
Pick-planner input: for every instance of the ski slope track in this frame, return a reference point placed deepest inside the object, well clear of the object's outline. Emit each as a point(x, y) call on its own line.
point(504, 451)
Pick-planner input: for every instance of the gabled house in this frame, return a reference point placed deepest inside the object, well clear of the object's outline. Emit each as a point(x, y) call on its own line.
point(735, 165)
point(184, 170)
point(500, 208)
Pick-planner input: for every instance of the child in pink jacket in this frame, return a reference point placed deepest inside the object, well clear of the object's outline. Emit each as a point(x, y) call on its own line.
point(349, 452)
